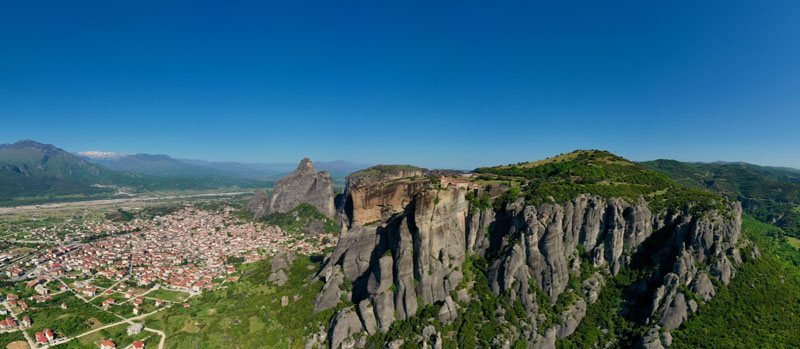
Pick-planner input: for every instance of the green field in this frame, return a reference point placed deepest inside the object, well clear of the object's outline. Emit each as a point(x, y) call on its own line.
point(102, 282)
point(795, 242)
point(770, 239)
point(77, 318)
point(168, 295)
point(247, 314)
point(118, 334)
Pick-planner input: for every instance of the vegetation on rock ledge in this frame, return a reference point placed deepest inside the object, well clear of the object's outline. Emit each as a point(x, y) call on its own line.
point(596, 172)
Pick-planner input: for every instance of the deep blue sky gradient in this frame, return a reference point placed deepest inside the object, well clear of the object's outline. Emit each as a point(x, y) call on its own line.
point(454, 84)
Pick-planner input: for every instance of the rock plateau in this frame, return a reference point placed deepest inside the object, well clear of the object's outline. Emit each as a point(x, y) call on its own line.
point(406, 241)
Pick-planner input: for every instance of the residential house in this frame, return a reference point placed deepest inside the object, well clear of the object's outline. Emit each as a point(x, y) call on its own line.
point(108, 302)
point(41, 338)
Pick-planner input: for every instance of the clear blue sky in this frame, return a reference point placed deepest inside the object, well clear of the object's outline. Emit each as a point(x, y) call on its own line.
point(436, 83)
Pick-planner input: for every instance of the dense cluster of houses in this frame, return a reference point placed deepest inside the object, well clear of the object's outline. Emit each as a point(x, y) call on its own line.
point(186, 250)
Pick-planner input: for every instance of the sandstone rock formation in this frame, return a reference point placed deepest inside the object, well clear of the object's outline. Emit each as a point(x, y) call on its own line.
point(374, 194)
point(413, 255)
point(303, 185)
point(259, 205)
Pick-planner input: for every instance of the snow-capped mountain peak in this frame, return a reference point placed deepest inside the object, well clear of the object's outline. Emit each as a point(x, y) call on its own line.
point(93, 154)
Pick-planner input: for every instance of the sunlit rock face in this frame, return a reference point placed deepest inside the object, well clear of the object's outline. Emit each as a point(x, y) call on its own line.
point(303, 185)
point(413, 256)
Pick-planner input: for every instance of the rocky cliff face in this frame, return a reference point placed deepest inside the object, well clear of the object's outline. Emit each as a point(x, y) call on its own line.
point(543, 247)
point(259, 205)
point(414, 257)
point(303, 185)
point(373, 196)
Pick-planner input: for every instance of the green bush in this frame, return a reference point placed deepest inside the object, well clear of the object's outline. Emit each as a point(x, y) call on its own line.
point(298, 218)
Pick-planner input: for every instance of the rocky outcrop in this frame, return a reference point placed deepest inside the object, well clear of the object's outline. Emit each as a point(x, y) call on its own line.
point(653, 339)
point(424, 239)
point(703, 287)
point(541, 240)
point(303, 185)
point(281, 264)
point(367, 314)
point(413, 257)
point(374, 194)
point(675, 312)
point(723, 270)
point(259, 205)
point(344, 325)
point(571, 318)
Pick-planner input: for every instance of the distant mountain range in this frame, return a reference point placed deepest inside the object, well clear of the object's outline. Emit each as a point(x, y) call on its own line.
point(164, 165)
point(32, 172)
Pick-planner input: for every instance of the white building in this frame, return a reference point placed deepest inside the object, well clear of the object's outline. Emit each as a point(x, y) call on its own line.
point(135, 329)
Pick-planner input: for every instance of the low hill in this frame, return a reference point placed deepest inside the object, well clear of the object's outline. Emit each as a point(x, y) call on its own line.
point(28, 168)
point(597, 172)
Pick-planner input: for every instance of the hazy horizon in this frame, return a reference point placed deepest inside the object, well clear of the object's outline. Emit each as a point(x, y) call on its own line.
point(291, 162)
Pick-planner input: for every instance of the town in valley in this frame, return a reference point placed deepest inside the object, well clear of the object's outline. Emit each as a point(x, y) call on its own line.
point(113, 269)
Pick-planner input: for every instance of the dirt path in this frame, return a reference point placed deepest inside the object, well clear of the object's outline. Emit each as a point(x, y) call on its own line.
point(128, 321)
point(28, 338)
point(160, 333)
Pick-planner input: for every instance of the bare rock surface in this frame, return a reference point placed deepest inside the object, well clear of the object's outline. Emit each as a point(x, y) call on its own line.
point(703, 287)
point(412, 256)
point(303, 185)
point(345, 324)
point(376, 193)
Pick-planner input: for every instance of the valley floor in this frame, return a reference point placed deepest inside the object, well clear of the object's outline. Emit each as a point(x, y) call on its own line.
point(107, 202)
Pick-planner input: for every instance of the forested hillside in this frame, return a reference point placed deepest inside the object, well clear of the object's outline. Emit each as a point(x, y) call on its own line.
point(770, 194)
point(761, 305)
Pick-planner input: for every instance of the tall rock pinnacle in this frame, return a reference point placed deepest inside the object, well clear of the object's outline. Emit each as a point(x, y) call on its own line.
point(304, 185)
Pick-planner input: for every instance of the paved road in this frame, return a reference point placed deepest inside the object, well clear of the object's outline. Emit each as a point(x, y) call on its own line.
point(33, 241)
